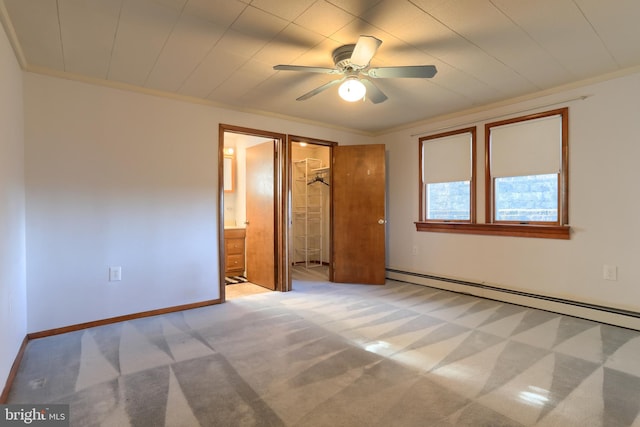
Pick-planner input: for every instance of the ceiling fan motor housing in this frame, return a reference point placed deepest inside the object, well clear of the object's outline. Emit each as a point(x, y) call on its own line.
point(342, 58)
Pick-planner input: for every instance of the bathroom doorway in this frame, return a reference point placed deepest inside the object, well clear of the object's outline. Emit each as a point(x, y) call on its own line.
point(251, 181)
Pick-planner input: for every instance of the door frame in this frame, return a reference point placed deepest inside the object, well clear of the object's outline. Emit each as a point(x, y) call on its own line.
point(281, 254)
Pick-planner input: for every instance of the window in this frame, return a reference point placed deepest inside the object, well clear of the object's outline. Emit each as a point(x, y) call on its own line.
point(447, 171)
point(526, 179)
point(526, 170)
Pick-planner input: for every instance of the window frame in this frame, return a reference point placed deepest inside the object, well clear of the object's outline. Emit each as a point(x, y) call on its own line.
point(563, 175)
point(422, 186)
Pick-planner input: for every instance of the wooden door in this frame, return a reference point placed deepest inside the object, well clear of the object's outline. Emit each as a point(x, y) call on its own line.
point(260, 203)
point(358, 186)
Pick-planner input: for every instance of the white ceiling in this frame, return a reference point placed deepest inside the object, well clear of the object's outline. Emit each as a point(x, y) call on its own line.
point(224, 50)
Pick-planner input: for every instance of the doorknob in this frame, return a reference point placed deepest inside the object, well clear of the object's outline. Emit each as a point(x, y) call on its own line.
point(381, 221)
point(246, 223)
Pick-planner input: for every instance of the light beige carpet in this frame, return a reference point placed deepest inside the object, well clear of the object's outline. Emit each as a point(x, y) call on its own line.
point(329, 354)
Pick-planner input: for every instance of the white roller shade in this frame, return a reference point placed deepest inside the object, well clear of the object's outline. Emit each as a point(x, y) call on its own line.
point(531, 147)
point(447, 159)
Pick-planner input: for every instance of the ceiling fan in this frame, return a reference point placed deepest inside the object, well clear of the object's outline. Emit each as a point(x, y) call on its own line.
point(352, 61)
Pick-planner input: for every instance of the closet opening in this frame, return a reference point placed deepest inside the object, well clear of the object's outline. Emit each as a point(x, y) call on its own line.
point(310, 232)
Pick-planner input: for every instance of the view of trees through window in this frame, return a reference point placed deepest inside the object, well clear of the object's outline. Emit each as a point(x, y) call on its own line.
point(520, 199)
point(449, 201)
point(532, 198)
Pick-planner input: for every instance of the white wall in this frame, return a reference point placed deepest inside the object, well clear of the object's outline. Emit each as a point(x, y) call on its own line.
point(116, 178)
point(13, 311)
point(604, 206)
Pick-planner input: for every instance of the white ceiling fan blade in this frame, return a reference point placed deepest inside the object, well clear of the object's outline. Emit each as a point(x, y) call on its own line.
point(321, 70)
point(317, 90)
point(364, 50)
point(374, 94)
point(411, 71)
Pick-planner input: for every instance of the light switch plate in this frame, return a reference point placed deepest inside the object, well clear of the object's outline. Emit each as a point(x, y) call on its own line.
point(610, 272)
point(115, 274)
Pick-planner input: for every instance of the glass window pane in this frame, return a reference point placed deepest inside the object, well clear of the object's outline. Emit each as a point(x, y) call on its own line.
point(527, 198)
point(449, 201)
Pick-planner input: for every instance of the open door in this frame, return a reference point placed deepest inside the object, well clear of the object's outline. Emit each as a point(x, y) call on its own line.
point(358, 186)
point(261, 225)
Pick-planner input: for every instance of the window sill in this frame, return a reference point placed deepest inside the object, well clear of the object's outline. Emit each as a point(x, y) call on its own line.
point(514, 230)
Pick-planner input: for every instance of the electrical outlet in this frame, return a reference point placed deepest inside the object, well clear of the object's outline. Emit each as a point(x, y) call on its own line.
point(610, 272)
point(115, 274)
point(415, 249)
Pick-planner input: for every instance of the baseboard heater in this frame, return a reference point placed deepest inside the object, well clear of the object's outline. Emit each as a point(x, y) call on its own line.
point(632, 316)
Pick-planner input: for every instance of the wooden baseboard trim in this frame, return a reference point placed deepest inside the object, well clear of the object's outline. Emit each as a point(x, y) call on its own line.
point(86, 325)
point(13, 371)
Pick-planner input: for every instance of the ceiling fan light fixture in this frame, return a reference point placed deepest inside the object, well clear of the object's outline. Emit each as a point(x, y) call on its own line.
point(352, 90)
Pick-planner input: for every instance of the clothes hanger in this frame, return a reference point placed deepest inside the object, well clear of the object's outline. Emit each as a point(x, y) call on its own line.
point(318, 178)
